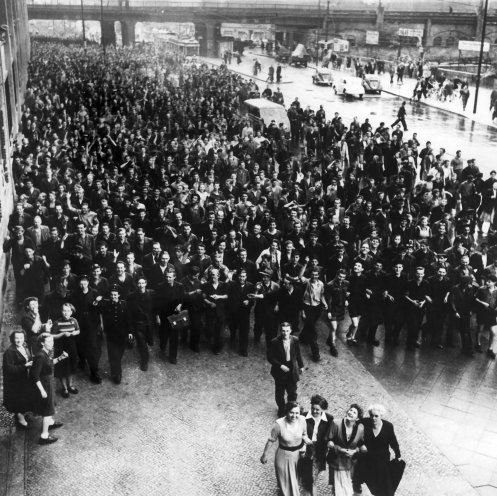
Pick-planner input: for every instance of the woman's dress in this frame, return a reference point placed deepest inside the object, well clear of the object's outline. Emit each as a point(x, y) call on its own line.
point(42, 371)
point(290, 439)
point(342, 466)
point(374, 466)
point(68, 344)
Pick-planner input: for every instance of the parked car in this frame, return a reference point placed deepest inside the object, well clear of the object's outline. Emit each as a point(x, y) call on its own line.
point(372, 84)
point(349, 86)
point(299, 57)
point(283, 54)
point(322, 77)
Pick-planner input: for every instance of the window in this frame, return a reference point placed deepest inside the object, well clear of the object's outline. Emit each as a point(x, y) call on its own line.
point(450, 41)
point(437, 41)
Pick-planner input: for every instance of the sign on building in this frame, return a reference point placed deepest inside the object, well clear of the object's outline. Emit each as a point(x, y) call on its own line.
point(473, 46)
point(372, 37)
point(412, 33)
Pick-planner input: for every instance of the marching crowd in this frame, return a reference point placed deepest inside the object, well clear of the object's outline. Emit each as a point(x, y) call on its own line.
point(147, 209)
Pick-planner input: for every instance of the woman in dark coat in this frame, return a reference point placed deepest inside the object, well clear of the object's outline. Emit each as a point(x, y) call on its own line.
point(17, 387)
point(373, 467)
point(318, 424)
point(42, 376)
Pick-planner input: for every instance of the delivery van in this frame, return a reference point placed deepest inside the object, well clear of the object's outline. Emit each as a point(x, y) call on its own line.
point(258, 109)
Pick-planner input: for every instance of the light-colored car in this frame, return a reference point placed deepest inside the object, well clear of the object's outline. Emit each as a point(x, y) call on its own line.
point(323, 77)
point(349, 86)
point(372, 84)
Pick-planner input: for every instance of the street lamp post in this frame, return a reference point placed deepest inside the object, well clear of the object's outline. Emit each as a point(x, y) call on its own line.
point(478, 76)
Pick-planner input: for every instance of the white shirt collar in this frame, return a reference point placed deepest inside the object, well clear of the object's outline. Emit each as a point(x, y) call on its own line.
point(323, 416)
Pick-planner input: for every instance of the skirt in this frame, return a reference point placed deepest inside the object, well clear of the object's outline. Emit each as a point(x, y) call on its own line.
point(285, 464)
point(46, 406)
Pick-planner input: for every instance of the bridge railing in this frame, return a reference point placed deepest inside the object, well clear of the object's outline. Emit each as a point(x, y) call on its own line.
point(284, 5)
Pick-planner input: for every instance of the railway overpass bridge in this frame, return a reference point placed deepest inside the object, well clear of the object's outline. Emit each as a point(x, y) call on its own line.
point(431, 16)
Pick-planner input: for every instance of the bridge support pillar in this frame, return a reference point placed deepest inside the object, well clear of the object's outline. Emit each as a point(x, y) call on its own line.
point(428, 38)
point(380, 16)
point(210, 30)
point(479, 22)
point(128, 32)
point(108, 32)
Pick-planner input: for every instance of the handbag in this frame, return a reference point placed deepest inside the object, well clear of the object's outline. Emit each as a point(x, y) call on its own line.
point(179, 321)
point(396, 468)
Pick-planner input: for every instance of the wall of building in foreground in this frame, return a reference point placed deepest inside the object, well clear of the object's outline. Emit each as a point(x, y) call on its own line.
point(14, 57)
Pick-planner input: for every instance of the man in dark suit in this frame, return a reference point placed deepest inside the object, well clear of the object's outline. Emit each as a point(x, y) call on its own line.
point(150, 259)
point(286, 366)
point(157, 274)
point(171, 296)
point(117, 328)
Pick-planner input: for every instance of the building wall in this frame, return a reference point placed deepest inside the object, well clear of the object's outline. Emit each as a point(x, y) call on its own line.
point(14, 57)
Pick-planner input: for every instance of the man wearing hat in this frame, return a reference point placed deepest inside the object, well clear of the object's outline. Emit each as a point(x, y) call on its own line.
point(117, 329)
point(462, 302)
point(265, 297)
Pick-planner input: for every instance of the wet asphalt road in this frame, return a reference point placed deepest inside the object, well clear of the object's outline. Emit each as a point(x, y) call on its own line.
point(442, 128)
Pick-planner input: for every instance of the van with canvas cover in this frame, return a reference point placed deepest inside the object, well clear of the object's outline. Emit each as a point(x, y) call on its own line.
point(260, 109)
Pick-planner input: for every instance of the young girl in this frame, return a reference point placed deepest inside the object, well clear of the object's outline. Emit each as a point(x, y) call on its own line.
point(64, 331)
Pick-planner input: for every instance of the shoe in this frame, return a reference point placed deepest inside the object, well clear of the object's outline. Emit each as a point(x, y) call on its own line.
point(243, 354)
point(144, 367)
point(333, 350)
point(216, 352)
point(491, 354)
point(48, 440)
point(96, 379)
point(354, 342)
point(373, 342)
point(116, 379)
point(281, 413)
point(55, 425)
point(316, 358)
point(350, 341)
point(73, 390)
point(173, 360)
point(20, 426)
point(65, 393)
point(478, 348)
point(328, 341)
point(196, 349)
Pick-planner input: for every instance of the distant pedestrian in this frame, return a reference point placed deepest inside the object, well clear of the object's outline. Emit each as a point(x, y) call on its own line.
point(493, 102)
point(401, 116)
point(270, 76)
point(278, 73)
point(464, 92)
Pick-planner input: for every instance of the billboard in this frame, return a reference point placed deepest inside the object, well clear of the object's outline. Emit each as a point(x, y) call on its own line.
point(473, 46)
point(372, 37)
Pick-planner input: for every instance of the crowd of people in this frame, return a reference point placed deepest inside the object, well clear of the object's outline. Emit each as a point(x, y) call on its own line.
point(139, 199)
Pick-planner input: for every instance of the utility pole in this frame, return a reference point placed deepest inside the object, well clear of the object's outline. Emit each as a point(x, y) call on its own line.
point(83, 21)
point(480, 60)
point(326, 20)
point(102, 26)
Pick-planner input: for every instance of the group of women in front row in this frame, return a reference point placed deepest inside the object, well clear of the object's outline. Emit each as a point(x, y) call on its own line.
point(28, 381)
point(356, 449)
